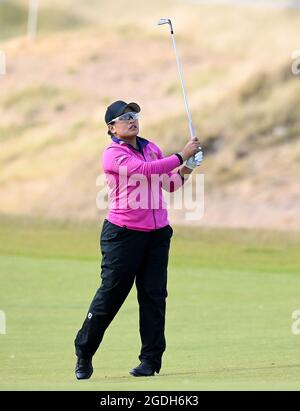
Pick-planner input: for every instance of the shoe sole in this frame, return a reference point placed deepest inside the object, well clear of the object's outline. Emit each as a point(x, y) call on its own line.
point(84, 378)
point(141, 375)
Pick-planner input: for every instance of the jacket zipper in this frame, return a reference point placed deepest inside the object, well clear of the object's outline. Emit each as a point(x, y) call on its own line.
point(151, 196)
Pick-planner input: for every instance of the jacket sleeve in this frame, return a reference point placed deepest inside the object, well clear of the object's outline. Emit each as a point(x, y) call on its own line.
point(119, 161)
point(171, 181)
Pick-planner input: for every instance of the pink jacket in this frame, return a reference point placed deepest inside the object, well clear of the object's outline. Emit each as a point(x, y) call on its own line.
point(135, 181)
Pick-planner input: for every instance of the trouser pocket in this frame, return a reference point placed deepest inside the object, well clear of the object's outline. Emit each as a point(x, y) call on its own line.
point(112, 231)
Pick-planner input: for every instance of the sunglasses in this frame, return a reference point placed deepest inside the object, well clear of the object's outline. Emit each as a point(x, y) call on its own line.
point(126, 117)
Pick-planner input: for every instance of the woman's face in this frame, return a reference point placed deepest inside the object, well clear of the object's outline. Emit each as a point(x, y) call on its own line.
point(125, 128)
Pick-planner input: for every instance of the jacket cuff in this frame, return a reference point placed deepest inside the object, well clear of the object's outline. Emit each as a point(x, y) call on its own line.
point(179, 157)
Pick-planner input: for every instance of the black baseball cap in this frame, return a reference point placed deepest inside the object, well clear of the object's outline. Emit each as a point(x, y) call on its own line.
point(118, 108)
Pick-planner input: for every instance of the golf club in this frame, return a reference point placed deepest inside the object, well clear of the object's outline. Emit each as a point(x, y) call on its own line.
point(168, 21)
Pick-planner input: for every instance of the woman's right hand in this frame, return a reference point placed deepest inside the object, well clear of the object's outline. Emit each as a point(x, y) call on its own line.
point(191, 148)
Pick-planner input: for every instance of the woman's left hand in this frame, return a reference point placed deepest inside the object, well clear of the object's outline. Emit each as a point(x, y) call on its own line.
point(195, 160)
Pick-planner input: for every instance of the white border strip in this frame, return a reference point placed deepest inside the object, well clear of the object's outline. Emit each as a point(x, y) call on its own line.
point(292, 4)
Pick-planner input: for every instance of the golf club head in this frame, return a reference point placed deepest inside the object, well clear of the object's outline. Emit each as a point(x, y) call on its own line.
point(166, 21)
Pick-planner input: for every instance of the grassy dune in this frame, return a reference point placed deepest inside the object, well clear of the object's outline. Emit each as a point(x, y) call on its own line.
point(243, 95)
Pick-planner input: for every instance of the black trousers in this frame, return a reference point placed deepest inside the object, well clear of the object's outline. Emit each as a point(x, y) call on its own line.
point(128, 256)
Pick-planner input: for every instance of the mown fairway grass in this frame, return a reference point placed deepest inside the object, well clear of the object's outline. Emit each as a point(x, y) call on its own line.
point(231, 297)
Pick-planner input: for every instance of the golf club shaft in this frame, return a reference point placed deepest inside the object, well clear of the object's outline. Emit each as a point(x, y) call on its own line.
point(186, 103)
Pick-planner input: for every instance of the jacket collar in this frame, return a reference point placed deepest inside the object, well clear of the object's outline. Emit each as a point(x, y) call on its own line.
point(142, 142)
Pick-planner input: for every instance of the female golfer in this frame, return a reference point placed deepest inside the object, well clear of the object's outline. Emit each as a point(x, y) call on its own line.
point(135, 237)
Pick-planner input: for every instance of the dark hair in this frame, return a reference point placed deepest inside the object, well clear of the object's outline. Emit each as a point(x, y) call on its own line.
point(109, 132)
